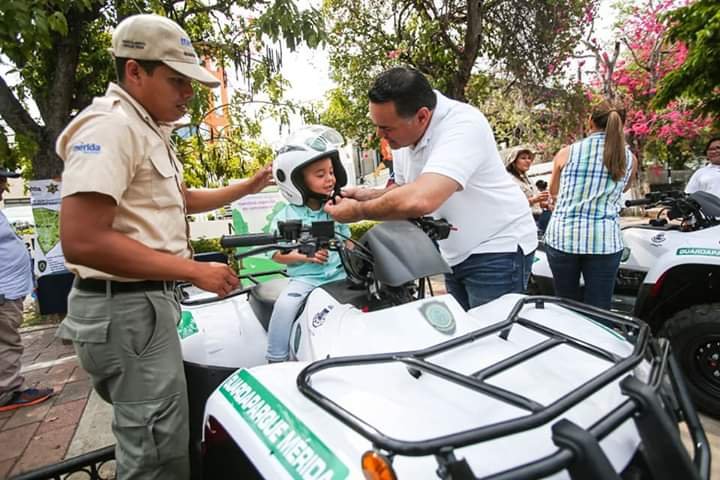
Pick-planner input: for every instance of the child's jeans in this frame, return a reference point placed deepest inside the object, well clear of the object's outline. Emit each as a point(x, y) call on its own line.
point(283, 315)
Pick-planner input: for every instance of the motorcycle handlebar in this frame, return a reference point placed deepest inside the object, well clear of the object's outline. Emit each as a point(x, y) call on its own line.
point(638, 202)
point(247, 240)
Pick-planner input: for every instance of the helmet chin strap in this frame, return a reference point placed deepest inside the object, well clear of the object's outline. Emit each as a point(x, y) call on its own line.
point(325, 198)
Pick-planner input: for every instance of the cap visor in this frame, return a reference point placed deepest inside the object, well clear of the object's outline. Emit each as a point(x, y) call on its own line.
point(195, 72)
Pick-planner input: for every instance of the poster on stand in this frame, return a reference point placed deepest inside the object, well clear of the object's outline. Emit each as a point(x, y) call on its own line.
point(254, 214)
point(45, 202)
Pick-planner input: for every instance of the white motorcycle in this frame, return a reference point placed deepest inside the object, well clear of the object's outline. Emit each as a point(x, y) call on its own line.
point(669, 277)
point(390, 384)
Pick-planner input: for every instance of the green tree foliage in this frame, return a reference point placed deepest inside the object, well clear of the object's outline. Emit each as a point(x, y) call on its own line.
point(697, 25)
point(547, 118)
point(449, 41)
point(58, 49)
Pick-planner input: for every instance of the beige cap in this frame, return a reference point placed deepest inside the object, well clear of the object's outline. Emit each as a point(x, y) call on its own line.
point(153, 37)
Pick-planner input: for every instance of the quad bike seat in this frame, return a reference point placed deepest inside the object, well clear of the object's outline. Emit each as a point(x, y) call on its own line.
point(262, 299)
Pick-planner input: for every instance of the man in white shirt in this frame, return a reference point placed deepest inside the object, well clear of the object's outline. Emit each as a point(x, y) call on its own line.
point(707, 178)
point(447, 165)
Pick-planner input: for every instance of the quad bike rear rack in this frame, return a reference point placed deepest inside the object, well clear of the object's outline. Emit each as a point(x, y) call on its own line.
point(654, 410)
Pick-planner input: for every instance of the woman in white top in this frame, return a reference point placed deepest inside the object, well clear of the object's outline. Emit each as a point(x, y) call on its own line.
point(707, 178)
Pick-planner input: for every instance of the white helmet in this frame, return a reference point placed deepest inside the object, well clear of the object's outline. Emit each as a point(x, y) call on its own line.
point(300, 149)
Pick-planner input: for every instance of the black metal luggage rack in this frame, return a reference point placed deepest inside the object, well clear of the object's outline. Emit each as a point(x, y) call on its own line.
point(654, 408)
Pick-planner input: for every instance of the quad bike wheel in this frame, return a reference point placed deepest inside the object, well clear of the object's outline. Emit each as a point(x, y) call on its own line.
point(694, 334)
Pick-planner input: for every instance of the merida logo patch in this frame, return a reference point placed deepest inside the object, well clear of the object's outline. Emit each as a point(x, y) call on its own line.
point(185, 42)
point(439, 316)
point(90, 148)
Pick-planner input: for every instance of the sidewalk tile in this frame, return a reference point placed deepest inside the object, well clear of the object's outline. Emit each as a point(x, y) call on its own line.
point(45, 449)
point(74, 391)
point(63, 415)
point(5, 467)
point(61, 372)
point(78, 375)
point(14, 441)
point(28, 358)
point(28, 415)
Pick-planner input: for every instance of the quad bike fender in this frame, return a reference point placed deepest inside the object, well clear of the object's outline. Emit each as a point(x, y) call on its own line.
point(222, 333)
point(312, 333)
point(681, 256)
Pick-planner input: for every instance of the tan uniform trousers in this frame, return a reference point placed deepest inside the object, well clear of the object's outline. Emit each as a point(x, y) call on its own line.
point(11, 348)
point(128, 344)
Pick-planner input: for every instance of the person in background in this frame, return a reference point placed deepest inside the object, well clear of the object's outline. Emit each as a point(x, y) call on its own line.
point(707, 178)
point(16, 282)
point(517, 162)
point(583, 235)
point(387, 160)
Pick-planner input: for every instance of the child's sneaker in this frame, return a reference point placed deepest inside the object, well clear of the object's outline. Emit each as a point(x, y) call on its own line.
point(27, 397)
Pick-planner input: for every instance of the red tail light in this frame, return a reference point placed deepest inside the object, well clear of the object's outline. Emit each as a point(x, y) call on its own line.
point(657, 288)
point(215, 434)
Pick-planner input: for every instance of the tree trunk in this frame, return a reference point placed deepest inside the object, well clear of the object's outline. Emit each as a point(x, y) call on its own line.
point(469, 52)
point(58, 104)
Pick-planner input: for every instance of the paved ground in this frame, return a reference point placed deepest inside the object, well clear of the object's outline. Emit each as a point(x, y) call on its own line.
point(75, 421)
point(44, 434)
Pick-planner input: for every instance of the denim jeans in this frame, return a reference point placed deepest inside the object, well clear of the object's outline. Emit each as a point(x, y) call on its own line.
point(598, 270)
point(284, 314)
point(483, 277)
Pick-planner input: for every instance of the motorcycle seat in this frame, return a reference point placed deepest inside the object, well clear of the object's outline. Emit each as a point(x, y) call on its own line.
point(262, 299)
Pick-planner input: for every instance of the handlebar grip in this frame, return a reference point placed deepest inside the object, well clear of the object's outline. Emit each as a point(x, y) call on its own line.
point(638, 202)
point(248, 240)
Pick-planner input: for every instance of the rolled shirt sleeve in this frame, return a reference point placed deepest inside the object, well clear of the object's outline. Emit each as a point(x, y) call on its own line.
point(99, 157)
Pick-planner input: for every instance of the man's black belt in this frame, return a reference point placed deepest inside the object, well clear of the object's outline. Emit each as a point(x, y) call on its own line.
point(101, 286)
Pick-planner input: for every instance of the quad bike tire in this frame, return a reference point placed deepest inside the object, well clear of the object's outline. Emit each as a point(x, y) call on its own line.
point(694, 335)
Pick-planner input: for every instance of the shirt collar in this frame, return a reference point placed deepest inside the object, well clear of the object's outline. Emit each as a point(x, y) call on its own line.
point(115, 90)
point(439, 112)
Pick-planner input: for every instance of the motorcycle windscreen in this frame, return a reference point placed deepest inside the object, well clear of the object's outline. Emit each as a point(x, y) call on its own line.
point(709, 203)
point(402, 253)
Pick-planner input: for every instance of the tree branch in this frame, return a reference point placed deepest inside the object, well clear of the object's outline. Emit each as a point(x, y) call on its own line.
point(15, 115)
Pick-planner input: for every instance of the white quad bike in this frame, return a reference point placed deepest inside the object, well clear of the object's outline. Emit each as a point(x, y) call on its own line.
point(669, 277)
point(389, 383)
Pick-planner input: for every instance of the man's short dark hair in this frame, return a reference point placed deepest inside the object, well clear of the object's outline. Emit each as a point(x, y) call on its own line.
point(148, 65)
point(406, 87)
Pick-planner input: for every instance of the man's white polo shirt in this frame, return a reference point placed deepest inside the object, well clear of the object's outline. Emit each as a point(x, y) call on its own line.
point(490, 212)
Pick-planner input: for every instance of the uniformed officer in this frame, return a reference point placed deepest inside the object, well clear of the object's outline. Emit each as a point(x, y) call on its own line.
point(124, 233)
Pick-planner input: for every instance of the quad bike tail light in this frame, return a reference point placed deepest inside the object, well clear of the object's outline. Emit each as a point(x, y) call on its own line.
point(215, 434)
point(377, 467)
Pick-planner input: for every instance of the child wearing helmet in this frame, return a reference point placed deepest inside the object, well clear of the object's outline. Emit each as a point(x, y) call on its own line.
point(309, 172)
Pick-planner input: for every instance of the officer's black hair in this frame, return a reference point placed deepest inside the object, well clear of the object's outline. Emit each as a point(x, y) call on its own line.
point(148, 65)
point(406, 87)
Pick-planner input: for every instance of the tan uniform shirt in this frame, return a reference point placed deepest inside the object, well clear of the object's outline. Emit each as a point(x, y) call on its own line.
point(115, 148)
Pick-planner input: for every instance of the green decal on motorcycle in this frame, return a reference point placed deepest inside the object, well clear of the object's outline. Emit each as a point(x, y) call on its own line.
point(299, 451)
point(439, 316)
point(187, 325)
point(704, 252)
